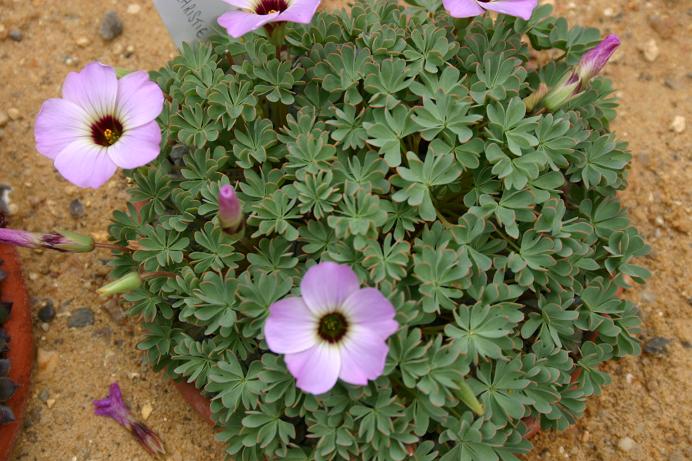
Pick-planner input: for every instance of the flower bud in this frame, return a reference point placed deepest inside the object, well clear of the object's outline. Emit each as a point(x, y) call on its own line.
point(563, 93)
point(66, 241)
point(125, 284)
point(230, 210)
point(595, 59)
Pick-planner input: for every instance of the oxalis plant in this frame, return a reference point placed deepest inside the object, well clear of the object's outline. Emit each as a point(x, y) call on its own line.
point(381, 233)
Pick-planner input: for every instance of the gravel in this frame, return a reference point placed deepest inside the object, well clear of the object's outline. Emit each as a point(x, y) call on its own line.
point(111, 26)
point(81, 318)
point(77, 209)
point(657, 346)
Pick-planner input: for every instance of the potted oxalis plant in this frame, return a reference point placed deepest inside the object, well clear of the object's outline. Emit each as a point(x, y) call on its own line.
point(381, 233)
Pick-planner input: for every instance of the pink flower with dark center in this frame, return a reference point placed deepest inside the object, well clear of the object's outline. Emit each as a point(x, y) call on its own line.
point(335, 330)
point(469, 8)
point(101, 123)
point(253, 14)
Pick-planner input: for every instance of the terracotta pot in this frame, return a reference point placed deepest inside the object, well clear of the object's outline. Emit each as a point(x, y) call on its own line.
point(195, 399)
point(21, 353)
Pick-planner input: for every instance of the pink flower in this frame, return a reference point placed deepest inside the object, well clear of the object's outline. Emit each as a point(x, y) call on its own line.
point(253, 14)
point(101, 123)
point(469, 8)
point(114, 407)
point(230, 210)
point(335, 330)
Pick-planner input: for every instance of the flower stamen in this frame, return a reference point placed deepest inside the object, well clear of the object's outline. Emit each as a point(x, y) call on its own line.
point(332, 327)
point(107, 131)
point(265, 7)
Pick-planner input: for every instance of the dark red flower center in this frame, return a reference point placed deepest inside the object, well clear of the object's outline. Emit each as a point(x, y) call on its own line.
point(270, 6)
point(332, 327)
point(106, 131)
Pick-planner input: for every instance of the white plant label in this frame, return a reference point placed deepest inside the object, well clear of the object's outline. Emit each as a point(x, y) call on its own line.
point(190, 20)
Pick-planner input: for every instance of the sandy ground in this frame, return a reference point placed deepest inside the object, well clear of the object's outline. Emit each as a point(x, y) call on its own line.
point(649, 399)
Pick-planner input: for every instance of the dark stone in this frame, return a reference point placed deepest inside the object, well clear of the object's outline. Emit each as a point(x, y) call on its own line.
point(81, 318)
point(111, 26)
point(44, 395)
point(657, 346)
point(16, 35)
point(3, 275)
point(76, 209)
point(47, 312)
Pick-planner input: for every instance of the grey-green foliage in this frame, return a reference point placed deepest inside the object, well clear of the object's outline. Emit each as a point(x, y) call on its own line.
point(396, 142)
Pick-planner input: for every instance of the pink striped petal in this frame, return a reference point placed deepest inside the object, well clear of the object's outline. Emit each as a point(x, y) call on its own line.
point(137, 146)
point(363, 356)
point(326, 286)
point(239, 23)
point(462, 8)
point(300, 11)
point(519, 8)
point(139, 100)
point(290, 327)
point(59, 123)
point(316, 369)
point(94, 89)
point(370, 309)
point(85, 164)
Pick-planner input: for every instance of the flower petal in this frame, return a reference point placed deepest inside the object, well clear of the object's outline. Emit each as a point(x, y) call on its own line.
point(239, 23)
point(59, 123)
point(94, 89)
point(363, 356)
point(369, 308)
point(462, 8)
point(137, 147)
point(300, 11)
point(519, 8)
point(85, 164)
point(139, 100)
point(242, 4)
point(326, 286)
point(316, 369)
point(290, 327)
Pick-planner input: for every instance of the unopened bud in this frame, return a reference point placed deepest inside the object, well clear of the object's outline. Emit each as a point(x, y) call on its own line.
point(125, 284)
point(61, 241)
point(230, 210)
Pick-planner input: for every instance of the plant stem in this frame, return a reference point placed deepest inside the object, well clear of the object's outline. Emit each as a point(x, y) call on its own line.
point(111, 246)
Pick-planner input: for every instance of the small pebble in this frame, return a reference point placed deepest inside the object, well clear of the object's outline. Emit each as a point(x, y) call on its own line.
point(47, 312)
point(81, 318)
point(626, 444)
point(77, 209)
point(47, 360)
point(16, 35)
point(129, 51)
point(657, 346)
point(50, 403)
point(14, 113)
point(44, 395)
point(629, 378)
point(147, 409)
point(83, 42)
point(133, 8)
point(651, 50)
point(111, 26)
point(679, 124)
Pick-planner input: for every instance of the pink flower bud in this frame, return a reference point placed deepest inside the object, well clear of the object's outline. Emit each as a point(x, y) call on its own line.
point(230, 210)
point(60, 241)
point(595, 59)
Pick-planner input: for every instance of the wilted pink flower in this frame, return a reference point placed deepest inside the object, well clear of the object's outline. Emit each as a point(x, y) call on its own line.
point(334, 330)
point(253, 14)
point(468, 8)
point(101, 123)
point(114, 407)
point(60, 241)
point(230, 210)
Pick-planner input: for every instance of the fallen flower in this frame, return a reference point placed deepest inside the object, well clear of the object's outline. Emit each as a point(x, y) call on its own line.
point(469, 8)
point(230, 210)
point(114, 407)
point(253, 14)
point(100, 124)
point(334, 330)
point(66, 241)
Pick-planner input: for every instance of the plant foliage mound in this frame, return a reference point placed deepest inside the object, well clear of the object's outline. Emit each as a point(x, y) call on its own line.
point(394, 140)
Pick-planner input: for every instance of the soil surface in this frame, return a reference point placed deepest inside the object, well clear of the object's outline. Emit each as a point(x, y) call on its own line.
point(645, 414)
